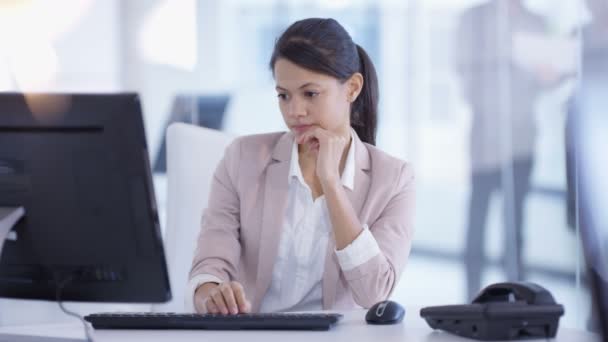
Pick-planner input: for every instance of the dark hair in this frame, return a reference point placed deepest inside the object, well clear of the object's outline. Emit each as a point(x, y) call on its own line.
point(324, 46)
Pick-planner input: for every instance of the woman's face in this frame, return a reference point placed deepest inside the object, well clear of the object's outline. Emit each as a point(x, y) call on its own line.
point(308, 99)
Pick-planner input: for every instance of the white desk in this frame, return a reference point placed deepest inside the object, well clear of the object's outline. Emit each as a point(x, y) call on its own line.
point(351, 328)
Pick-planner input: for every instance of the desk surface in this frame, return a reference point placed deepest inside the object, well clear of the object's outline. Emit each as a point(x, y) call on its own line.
point(351, 328)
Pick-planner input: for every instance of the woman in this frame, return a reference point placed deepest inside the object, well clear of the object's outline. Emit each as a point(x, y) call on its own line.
point(317, 217)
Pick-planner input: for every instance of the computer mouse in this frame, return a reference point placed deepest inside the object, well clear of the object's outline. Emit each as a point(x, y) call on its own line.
point(385, 312)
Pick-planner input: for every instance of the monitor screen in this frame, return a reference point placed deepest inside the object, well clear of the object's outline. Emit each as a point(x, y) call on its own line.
point(78, 166)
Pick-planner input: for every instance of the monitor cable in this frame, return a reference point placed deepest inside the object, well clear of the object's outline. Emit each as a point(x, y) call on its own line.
point(60, 286)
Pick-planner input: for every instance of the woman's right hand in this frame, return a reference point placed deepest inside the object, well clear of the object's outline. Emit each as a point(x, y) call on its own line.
point(225, 298)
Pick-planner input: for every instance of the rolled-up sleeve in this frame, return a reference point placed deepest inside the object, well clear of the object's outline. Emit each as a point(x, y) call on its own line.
point(375, 279)
point(363, 248)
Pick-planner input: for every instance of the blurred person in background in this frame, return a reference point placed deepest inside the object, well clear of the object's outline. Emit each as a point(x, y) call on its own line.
point(502, 95)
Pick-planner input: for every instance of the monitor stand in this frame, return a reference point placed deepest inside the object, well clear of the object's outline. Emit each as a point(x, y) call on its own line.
point(9, 216)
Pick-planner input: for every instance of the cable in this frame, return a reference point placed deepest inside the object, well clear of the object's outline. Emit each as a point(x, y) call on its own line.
point(60, 286)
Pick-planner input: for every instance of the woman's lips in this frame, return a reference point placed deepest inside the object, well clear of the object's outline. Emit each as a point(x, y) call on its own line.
point(299, 129)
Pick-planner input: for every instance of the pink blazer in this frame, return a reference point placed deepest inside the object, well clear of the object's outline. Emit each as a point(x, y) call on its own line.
point(242, 225)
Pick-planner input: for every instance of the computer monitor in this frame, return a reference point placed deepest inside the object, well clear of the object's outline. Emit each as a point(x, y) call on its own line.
point(589, 127)
point(77, 164)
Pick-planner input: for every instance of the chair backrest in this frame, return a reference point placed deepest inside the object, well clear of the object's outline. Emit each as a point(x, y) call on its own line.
point(193, 153)
point(201, 110)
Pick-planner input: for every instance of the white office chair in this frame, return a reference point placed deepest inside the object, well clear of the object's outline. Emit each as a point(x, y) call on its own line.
point(193, 153)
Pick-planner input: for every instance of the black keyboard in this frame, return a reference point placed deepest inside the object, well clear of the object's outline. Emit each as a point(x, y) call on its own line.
point(269, 321)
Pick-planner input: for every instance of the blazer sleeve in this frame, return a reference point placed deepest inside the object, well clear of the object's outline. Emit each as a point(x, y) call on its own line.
point(218, 247)
point(374, 280)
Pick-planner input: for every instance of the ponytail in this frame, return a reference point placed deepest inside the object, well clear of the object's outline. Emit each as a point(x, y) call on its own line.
point(364, 111)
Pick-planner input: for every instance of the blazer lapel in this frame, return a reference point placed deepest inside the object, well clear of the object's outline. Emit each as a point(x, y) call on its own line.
point(357, 198)
point(276, 189)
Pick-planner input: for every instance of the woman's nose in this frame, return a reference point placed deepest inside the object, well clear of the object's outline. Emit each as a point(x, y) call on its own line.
point(296, 108)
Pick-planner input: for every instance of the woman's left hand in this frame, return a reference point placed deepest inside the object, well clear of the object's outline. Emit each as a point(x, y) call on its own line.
point(328, 148)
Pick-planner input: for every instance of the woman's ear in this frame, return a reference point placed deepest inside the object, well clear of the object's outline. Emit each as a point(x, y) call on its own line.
point(354, 86)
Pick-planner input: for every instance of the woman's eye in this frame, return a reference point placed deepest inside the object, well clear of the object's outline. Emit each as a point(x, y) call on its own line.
point(311, 93)
point(282, 96)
